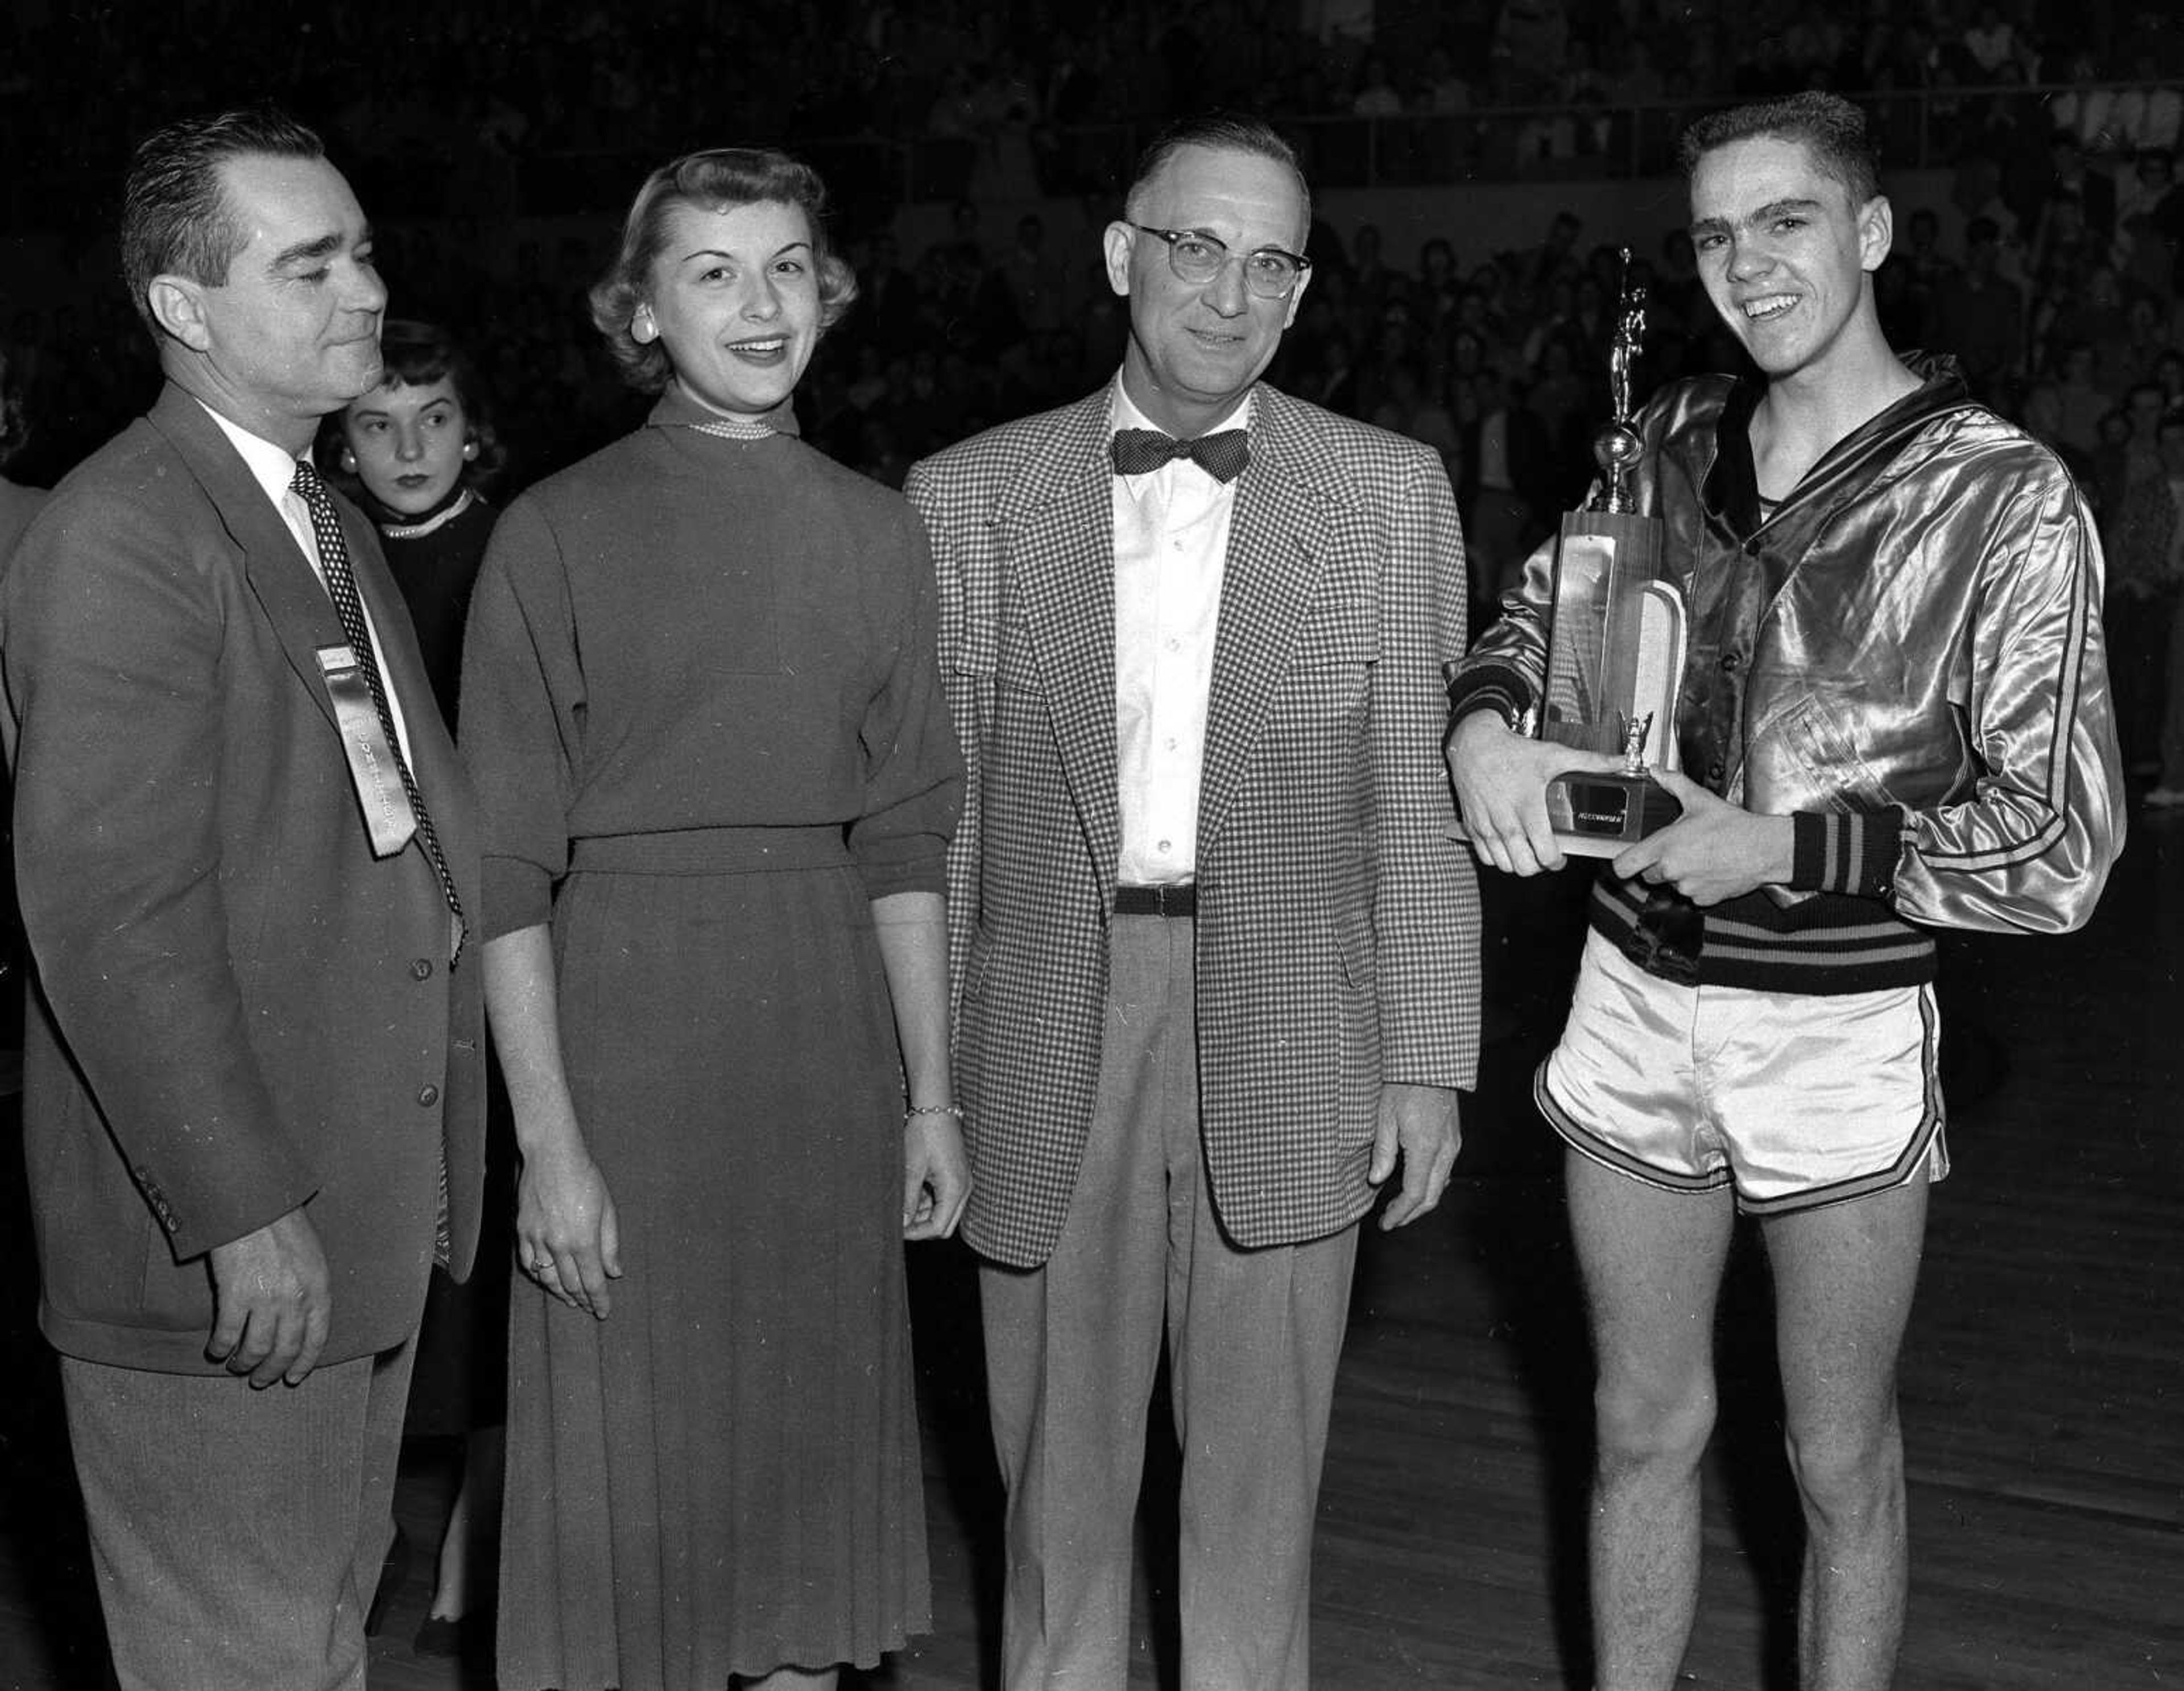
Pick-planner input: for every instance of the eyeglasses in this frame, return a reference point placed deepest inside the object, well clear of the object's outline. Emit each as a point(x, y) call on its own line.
point(1197, 259)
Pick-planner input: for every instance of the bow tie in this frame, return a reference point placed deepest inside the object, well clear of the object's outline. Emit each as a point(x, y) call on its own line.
point(1140, 451)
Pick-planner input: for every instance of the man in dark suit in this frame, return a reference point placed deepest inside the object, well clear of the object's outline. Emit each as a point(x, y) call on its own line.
point(1215, 948)
point(246, 867)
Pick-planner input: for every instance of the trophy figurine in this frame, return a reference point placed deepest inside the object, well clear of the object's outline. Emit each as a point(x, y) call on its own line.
point(1615, 639)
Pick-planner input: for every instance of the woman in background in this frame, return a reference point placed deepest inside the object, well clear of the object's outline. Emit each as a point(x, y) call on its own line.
point(703, 711)
point(417, 452)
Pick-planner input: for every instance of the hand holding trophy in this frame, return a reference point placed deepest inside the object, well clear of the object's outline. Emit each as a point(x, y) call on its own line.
point(1615, 639)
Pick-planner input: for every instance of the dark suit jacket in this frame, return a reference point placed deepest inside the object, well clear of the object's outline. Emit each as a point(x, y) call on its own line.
point(1338, 916)
point(238, 1009)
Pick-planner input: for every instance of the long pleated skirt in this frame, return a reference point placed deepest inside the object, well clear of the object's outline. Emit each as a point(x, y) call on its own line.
point(722, 1476)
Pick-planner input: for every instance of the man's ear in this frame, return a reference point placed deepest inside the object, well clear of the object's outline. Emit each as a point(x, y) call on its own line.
point(1117, 245)
point(1296, 299)
point(1876, 232)
point(178, 307)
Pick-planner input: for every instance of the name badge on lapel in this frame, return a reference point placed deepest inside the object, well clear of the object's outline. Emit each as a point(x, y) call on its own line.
point(387, 818)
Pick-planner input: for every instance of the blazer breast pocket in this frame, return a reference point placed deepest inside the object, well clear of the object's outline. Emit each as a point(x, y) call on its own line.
point(1331, 677)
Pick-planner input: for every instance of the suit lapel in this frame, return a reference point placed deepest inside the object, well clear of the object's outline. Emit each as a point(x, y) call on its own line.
point(302, 619)
point(1059, 537)
point(301, 615)
point(1277, 543)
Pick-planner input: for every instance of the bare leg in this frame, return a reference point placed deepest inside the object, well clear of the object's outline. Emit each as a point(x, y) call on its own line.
point(1652, 1263)
point(473, 1520)
point(1843, 1279)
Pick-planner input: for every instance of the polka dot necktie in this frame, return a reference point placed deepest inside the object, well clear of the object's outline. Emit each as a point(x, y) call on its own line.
point(341, 587)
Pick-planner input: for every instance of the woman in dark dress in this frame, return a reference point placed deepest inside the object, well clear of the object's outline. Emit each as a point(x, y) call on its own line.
point(417, 454)
point(701, 705)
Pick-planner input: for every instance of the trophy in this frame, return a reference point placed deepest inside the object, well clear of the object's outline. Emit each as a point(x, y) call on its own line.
point(1615, 639)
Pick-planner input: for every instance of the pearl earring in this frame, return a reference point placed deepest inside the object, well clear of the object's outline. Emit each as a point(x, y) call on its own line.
point(470, 448)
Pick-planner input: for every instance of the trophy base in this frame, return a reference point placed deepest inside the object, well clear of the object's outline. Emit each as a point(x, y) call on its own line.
point(1596, 816)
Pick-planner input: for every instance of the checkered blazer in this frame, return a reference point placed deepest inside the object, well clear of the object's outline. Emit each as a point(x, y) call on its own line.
point(1338, 920)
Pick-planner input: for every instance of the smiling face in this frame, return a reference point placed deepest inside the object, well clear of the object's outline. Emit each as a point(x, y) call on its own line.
point(408, 443)
point(1196, 348)
point(1784, 255)
point(734, 299)
point(292, 333)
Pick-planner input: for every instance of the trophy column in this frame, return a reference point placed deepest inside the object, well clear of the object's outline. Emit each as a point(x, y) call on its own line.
point(1616, 636)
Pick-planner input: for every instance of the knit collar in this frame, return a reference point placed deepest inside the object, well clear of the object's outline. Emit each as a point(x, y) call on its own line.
point(678, 407)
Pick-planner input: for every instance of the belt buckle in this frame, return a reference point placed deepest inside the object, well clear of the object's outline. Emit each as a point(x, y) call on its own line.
point(1166, 899)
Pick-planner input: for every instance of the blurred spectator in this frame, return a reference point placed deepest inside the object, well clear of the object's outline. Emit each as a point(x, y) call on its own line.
point(2081, 403)
point(2138, 537)
point(1979, 316)
point(1446, 93)
point(1509, 467)
point(2071, 178)
point(2043, 421)
point(2144, 116)
point(1531, 45)
point(1990, 40)
point(1376, 95)
point(2152, 179)
point(2168, 791)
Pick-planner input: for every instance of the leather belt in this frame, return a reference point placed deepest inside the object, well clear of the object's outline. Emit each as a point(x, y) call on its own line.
point(1181, 900)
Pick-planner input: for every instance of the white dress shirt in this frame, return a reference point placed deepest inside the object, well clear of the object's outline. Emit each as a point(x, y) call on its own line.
point(1171, 547)
point(274, 472)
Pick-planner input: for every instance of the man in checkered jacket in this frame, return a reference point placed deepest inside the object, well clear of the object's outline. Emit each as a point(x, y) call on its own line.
point(1215, 949)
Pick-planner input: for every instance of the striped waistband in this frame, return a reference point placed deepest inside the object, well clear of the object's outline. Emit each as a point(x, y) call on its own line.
point(1829, 944)
point(710, 852)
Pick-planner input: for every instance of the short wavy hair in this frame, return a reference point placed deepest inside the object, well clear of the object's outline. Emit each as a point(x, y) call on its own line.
point(175, 219)
point(417, 354)
point(1832, 129)
point(718, 179)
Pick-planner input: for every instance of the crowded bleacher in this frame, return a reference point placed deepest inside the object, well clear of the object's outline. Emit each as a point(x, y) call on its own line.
point(494, 147)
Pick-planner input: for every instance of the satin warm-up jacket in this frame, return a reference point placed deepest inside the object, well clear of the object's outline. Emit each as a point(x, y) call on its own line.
point(1918, 625)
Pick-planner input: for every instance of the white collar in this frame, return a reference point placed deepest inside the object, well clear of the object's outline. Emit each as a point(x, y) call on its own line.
point(273, 467)
point(1122, 412)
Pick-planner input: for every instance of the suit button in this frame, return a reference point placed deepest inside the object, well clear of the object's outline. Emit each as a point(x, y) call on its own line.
point(1729, 660)
point(1716, 770)
point(428, 1095)
point(421, 970)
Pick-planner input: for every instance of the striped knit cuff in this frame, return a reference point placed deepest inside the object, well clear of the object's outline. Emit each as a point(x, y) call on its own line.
point(1855, 853)
point(1487, 687)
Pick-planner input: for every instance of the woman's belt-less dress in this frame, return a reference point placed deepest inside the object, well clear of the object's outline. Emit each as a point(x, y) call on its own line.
point(699, 699)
